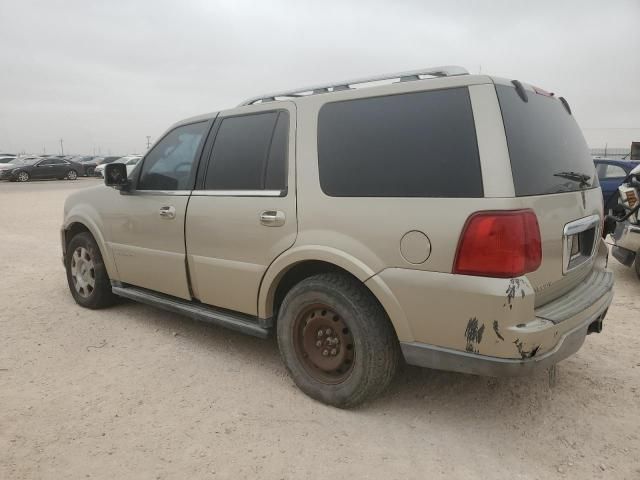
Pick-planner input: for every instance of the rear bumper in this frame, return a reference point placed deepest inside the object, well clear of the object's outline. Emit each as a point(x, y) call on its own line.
point(491, 326)
point(430, 356)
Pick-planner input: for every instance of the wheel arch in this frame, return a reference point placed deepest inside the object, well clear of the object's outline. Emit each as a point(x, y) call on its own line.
point(75, 224)
point(297, 264)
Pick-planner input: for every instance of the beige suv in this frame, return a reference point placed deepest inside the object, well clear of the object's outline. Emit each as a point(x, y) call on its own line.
point(447, 219)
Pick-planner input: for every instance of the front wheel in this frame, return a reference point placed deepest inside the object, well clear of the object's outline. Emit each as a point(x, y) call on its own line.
point(87, 276)
point(71, 175)
point(336, 340)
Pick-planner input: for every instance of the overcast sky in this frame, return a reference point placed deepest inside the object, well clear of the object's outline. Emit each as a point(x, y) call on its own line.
point(103, 75)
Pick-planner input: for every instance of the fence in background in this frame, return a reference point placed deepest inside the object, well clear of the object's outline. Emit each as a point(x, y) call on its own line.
point(620, 153)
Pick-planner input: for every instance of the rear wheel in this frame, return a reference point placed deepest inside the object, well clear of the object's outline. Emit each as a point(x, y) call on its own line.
point(71, 175)
point(22, 177)
point(336, 340)
point(87, 276)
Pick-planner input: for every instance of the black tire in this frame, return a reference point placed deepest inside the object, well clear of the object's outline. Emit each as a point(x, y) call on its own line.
point(375, 349)
point(100, 295)
point(71, 175)
point(637, 264)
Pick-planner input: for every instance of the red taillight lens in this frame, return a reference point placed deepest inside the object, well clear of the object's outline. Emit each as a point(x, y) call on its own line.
point(499, 244)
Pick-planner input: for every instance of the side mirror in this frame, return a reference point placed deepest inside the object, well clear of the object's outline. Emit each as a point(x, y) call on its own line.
point(115, 175)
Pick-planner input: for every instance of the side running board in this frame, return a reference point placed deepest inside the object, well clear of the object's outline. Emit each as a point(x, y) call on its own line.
point(233, 320)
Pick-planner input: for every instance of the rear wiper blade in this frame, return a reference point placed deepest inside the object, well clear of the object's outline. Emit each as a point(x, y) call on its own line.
point(578, 177)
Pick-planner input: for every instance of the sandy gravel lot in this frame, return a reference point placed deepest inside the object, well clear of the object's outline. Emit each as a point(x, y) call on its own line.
point(134, 392)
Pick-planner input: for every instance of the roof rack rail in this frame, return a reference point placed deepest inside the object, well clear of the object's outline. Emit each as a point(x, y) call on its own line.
point(445, 71)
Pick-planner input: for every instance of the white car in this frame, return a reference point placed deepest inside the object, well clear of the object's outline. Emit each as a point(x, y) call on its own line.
point(131, 164)
point(130, 161)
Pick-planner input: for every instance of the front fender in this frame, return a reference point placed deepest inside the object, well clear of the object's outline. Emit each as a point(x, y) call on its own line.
point(86, 215)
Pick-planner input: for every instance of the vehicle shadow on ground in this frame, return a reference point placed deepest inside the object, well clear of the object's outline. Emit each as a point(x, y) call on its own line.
point(414, 391)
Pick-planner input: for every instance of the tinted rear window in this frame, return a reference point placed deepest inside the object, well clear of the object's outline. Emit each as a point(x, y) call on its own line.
point(410, 145)
point(250, 153)
point(548, 152)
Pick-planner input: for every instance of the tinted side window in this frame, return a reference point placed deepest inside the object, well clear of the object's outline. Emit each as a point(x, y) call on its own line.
point(250, 153)
point(410, 145)
point(170, 165)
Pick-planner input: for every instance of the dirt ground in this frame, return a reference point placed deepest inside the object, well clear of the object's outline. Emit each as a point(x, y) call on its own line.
point(135, 392)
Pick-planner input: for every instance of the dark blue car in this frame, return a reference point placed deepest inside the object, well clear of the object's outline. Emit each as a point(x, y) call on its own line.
point(611, 174)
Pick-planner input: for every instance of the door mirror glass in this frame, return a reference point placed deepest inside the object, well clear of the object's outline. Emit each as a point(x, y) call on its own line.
point(115, 175)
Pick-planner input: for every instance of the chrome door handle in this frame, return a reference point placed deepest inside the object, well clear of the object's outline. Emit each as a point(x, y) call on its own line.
point(272, 218)
point(168, 212)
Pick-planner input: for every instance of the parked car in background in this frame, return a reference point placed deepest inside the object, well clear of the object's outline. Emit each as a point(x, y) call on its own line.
point(131, 164)
point(104, 161)
point(6, 158)
point(611, 173)
point(88, 164)
point(42, 168)
point(130, 161)
point(330, 217)
point(626, 236)
point(5, 168)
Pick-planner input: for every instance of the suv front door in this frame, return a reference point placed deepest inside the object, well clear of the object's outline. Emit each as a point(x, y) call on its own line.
point(243, 213)
point(147, 227)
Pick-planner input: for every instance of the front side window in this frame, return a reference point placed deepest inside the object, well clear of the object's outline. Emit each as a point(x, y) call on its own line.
point(408, 145)
point(250, 153)
point(170, 165)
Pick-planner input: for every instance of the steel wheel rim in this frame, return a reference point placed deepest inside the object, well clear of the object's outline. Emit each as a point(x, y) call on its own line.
point(83, 272)
point(324, 344)
point(23, 177)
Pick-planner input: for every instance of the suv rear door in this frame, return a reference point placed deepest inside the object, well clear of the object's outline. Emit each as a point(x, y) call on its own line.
point(243, 213)
point(147, 223)
point(554, 175)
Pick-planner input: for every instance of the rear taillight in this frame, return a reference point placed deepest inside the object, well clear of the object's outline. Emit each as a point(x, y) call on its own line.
point(499, 244)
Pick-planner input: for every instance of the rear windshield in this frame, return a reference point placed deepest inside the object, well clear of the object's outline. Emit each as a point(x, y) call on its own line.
point(548, 152)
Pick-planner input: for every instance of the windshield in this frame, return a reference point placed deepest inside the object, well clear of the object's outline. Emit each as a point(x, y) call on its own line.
point(547, 150)
point(132, 161)
point(26, 161)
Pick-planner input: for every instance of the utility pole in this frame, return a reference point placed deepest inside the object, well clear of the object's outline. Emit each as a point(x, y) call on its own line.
point(148, 141)
point(61, 147)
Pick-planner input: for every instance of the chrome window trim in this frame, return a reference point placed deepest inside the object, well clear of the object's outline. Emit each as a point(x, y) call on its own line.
point(175, 193)
point(239, 193)
point(574, 228)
